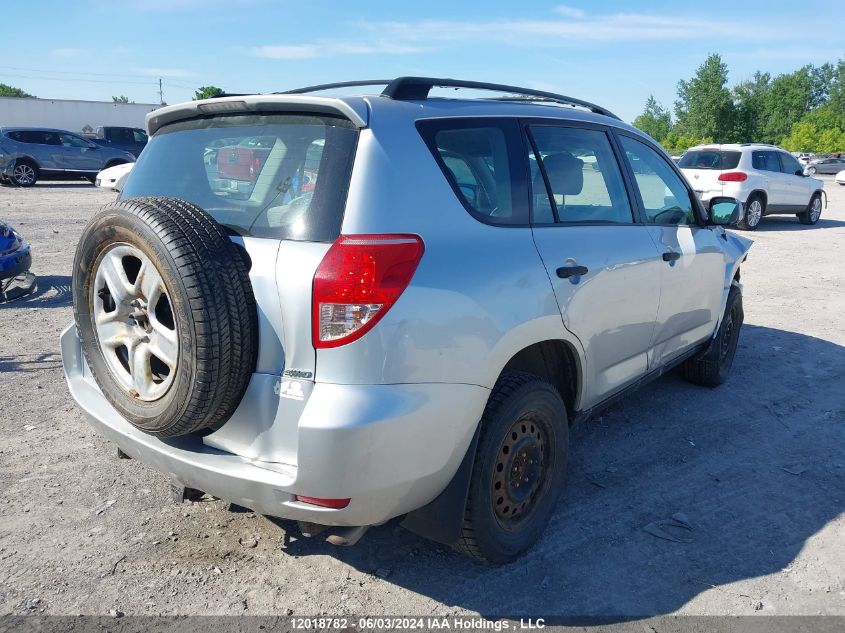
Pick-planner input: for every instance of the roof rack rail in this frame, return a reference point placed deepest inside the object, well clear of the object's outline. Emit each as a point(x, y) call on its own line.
point(417, 89)
point(414, 88)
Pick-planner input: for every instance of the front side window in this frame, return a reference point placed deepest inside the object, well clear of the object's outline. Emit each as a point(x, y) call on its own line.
point(475, 158)
point(283, 176)
point(665, 198)
point(789, 165)
point(139, 135)
point(69, 140)
point(575, 177)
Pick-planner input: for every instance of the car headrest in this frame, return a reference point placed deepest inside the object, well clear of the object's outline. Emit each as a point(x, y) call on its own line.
point(565, 173)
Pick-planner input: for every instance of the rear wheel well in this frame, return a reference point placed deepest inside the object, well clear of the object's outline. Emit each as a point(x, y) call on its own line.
point(29, 161)
point(554, 361)
point(760, 194)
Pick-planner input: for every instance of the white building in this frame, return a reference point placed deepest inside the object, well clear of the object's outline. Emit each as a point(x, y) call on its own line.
point(75, 116)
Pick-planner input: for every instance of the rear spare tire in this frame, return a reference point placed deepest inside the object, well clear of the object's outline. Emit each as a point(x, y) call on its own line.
point(165, 313)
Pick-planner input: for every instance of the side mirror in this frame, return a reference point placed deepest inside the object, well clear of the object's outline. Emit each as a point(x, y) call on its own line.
point(725, 211)
point(800, 172)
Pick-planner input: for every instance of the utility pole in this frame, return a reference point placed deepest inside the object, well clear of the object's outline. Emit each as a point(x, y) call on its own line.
point(160, 93)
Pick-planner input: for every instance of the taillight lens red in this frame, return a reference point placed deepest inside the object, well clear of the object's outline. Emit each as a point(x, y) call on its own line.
point(733, 176)
point(359, 279)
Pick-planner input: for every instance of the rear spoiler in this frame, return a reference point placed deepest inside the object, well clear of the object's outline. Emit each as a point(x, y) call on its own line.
point(358, 114)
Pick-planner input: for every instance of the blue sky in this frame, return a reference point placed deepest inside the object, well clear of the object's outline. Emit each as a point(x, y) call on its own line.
point(612, 52)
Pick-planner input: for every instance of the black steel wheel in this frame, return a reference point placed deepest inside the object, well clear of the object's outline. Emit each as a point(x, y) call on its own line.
point(713, 366)
point(519, 469)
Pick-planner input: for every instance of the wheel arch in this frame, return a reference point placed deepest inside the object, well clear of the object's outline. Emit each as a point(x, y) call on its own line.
point(557, 360)
point(762, 194)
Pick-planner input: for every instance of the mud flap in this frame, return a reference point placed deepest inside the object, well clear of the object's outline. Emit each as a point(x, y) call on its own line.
point(441, 519)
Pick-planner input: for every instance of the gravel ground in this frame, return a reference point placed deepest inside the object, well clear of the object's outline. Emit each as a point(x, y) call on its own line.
point(756, 466)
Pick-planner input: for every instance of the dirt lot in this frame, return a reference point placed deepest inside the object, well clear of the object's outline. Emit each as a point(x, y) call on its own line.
point(757, 466)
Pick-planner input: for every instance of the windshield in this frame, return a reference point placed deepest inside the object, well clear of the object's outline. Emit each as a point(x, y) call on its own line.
point(282, 175)
point(709, 159)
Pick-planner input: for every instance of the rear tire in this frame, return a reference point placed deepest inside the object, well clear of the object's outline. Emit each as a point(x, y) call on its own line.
point(755, 208)
point(813, 212)
point(712, 368)
point(519, 469)
point(24, 173)
point(166, 315)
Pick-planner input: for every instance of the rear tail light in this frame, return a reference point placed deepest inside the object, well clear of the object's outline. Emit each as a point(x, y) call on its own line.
point(335, 504)
point(733, 176)
point(359, 279)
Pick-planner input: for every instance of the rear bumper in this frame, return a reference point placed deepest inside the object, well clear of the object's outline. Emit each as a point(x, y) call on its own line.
point(389, 448)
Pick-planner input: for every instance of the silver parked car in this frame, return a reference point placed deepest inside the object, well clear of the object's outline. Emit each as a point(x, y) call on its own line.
point(30, 154)
point(396, 306)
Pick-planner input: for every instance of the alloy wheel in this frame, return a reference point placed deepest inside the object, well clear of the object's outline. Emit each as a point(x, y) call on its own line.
point(134, 322)
point(23, 174)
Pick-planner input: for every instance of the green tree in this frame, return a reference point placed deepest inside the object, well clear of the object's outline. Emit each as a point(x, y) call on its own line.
point(676, 143)
point(704, 108)
point(208, 92)
point(749, 100)
point(821, 130)
point(10, 91)
point(789, 98)
point(120, 99)
point(655, 120)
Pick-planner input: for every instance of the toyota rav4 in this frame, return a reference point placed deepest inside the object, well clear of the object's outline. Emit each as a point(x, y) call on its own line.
point(402, 310)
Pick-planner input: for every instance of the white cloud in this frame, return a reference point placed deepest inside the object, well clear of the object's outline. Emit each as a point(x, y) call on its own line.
point(330, 49)
point(65, 52)
point(563, 32)
point(569, 12)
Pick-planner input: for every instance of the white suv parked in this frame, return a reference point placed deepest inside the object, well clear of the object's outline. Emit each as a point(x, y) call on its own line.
point(768, 179)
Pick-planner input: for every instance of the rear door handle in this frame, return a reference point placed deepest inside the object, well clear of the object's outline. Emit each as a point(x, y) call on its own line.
point(671, 256)
point(565, 272)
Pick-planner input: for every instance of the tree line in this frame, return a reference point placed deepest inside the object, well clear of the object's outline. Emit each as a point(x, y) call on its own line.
point(802, 111)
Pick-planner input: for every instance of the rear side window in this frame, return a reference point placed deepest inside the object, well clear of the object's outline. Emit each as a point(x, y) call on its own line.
point(35, 137)
point(765, 161)
point(709, 159)
point(575, 177)
point(476, 157)
point(282, 175)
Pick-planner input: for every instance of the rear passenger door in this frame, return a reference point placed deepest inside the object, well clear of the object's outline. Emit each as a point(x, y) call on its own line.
point(603, 265)
point(692, 270)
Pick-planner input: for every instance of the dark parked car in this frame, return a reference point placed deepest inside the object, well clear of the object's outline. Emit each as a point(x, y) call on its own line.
point(129, 139)
point(30, 154)
point(825, 166)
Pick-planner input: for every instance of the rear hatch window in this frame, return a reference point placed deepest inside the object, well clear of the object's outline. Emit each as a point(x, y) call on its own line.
point(282, 176)
point(709, 159)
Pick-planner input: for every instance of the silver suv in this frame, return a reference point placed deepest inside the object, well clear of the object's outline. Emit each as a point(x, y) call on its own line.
point(394, 305)
point(30, 154)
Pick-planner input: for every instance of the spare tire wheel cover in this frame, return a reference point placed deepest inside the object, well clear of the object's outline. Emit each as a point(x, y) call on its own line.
point(165, 313)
